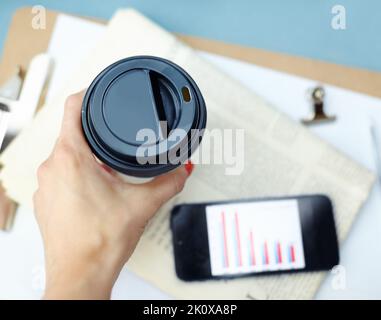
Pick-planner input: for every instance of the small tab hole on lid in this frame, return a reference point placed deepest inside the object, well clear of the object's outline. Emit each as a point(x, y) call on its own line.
point(186, 94)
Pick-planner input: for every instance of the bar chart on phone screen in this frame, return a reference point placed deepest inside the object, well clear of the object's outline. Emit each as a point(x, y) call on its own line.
point(254, 237)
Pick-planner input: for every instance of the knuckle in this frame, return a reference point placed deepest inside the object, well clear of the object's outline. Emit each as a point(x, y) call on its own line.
point(156, 200)
point(42, 170)
point(64, 148)
point(175, 186)
point(66, 155)
point(178, 186)
point(72, 100)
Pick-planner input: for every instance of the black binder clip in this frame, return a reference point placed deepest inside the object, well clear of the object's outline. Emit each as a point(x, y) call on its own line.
point(318, 116)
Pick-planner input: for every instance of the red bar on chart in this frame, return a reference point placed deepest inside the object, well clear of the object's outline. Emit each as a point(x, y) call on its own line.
point(279, 252)
point(292, 253)
point(252, 252)
point(265, 256)
point(225, 239)
point(238, 238)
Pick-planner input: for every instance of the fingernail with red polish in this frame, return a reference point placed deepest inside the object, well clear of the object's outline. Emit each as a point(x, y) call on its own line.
point(189, 167)
point(106, 168)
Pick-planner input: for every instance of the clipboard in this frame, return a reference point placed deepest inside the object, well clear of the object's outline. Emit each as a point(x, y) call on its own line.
point(23, 43)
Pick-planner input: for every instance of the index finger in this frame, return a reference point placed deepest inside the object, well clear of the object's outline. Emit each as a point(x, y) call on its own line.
point(71, 129)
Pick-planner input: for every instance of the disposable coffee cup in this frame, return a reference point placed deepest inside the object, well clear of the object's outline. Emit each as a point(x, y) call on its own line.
point(143, 116)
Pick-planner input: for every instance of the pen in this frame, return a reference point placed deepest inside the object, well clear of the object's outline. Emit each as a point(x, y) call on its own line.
point(376, 148)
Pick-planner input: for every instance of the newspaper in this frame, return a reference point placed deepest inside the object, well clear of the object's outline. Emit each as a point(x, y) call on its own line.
point(281, 158)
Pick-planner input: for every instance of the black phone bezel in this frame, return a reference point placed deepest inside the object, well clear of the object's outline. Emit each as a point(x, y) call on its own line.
point(190, 238)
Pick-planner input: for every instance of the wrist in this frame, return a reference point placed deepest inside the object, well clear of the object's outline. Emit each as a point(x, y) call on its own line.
point(86, 280)
point(77, 291)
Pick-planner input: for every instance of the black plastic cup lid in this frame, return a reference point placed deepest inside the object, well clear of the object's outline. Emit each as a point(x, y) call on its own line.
point(143, 92)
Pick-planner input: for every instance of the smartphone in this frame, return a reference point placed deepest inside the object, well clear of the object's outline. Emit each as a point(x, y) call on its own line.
point(254, 237)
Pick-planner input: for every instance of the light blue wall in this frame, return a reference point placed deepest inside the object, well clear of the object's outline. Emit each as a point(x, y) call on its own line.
point(299, 27)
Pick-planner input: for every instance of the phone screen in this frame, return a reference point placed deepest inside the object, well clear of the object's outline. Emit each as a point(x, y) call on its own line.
point(254, 237)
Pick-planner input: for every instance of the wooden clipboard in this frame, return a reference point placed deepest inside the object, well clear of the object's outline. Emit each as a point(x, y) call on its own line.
point(23, 43)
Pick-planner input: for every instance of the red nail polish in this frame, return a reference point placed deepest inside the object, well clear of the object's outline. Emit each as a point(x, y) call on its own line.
point(189, 167)
point(106, 168)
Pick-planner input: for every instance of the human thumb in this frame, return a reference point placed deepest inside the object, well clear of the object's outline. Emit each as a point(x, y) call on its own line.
point(168, 185)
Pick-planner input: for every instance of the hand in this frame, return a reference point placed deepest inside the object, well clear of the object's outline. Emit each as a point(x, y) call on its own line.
point(90, 219)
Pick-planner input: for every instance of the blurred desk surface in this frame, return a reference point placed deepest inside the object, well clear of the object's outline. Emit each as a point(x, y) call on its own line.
point(294, 27)
point(24, 42)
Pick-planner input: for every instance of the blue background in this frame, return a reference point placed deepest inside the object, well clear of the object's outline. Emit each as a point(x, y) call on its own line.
point(299, 27)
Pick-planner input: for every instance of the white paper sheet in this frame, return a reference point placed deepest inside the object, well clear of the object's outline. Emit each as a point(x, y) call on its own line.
point(72, 40)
